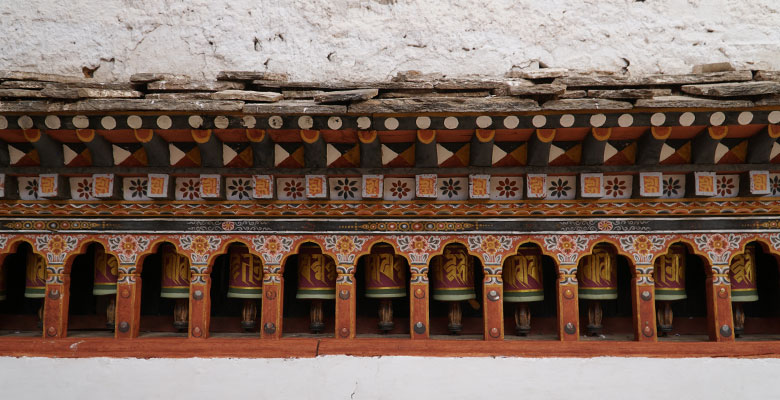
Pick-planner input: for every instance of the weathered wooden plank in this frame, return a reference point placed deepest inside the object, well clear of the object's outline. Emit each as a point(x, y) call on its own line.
point(342, 85)
point(653, 80)
point(532, 90)
point(586, 104)
point(251, 76)
point(180, 96)
point(690, 102)
point(35, 76)
point(31, 106)
point(734, 89)
point(769, 101)
point(401, 94)
point(83, 93)
point(148, 105)
point(294, 107)
point(470, 84)
point(629, 93)
point(540, 73)
point(21, 93)
point(247, 95)
point(444, 104)
point(203, 86)
point(712, 67)
point(146, 77)
point(300, 94)
point(23, 85)
point(346, 96)
point(574, 94)
point(767, 76)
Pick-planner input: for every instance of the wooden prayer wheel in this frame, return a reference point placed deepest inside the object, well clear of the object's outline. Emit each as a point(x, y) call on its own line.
point(669, 276)
point(453, 282)
point(385, 280)
point(246, 282)
point(35, 281)
point(522, 275)
point(104, 287)
point(316, 282)
point(744, 288)
point(176, 284)
point(597, 276)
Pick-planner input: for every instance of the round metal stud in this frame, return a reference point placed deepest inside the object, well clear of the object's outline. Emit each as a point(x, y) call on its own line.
point(54, 294)
point(344, 294)
point(569, 328)
point(124, 326)
point(419, 293)
point(196, 332)
point(647, 330)
point(722, 293)
point(419, 328)
point(344, 332)
point(198, 295)
point(124, 293)
point(269, 328)
point(725, 331)
point(52, 331)
point(270, 294)
point(646, 296)
point(493, 295)
point(568, 294)
point(494, 333)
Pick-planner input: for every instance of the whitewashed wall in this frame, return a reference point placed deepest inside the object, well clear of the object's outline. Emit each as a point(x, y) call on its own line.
point(342, 377)
point(374, 39)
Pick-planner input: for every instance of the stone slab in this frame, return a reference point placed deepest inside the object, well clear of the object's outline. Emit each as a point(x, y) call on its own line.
point(538, 73)
point(443, 104)
point(734, 89)
point(767, 76)
point(532, 90)
point(294, 107)
point(146, 77)
point(21, 93)
point(653, 80)
point(629, 93)
point(586, 104)
point(712, 67)
point(690, 102)
point(180, 96)
point(251, 76)
point(346, 96)
point(247, 95)
point(202, 86)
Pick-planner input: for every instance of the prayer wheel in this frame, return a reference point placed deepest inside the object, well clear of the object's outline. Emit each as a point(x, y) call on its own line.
point(669, 276)
point(453, 282)
point(2, 283)
point(35, 282)
point(106, 272)
point(522, 277)
point(597, 276)
point(316, 282)
point(744, 289)
point(176, 284)
point(385, 280)
point(246, 282)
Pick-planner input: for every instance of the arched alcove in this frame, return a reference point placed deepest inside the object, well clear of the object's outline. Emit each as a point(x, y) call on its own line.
point(382, 287)
point(309, 307)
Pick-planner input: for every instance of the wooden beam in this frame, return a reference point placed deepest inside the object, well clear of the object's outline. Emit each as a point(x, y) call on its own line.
point(370, 149)
point(593, 146)
point(314, 149)
point(210, 148)
point(481, 154)
point(650, 145)
point(706, 143)
point(99, 148)
point(539, 147)
point(5, 158)
point(49, 150)
point(157, 151)
point(425, 154)
point(760, 145)
point(262, 148)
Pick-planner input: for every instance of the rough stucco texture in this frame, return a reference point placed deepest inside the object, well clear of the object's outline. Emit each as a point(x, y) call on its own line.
point(374, 39)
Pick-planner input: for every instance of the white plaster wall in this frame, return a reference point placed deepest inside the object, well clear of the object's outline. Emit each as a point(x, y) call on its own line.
point(342, 377)
point(374, 39)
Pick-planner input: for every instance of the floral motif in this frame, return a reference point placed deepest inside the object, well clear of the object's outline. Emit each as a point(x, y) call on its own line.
point(345, 188)
point(615, 187)
point(200, 246)
point(56, 247)
point(605, 225)
point(418, 247)
point(128, 247)
point(138, 188)
point(490, 247)
point(507, 188)
point(32, 188)
point(84, 189)
point(345, 247)
point(559, 188)
point(566, 247)
point(190, 189)
point(272, 248)
point(718, 247)
point(642, 247)
point(671, 187)
point(293, 189)
point(240, 188)
point(228, 226)
point(399, 189)
point(450, 187)
point(774, 183)
point(725, 186)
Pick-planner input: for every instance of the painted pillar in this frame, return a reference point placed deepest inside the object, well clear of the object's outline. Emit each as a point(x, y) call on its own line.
point(419, 311)
point(346, 305)
point(643, 304)
point(128, 303)
point(273, 294)
point(55, 309)
point(568, 307)
point(493, 301)
point(200, 302)
point(719, 317)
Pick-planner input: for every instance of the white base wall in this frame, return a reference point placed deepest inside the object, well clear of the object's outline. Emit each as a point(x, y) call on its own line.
point(343, 377)
point(374, 39)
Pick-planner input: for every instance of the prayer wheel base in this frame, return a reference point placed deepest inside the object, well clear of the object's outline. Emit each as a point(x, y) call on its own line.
point(665, 317)
point(249, 315)
point(386, 316)
point(523, 319)
point(594, 327)
point(739, 319)
point(181, 314)
point(316, 324)
point(111, 312)
point(455, 325)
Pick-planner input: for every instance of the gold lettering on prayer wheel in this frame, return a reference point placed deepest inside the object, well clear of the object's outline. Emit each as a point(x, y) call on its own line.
point(106, 272)
point(385, 276)
point(742, 275)
point(522, 275)
point(175, 274)
point(669, 275)
point(316, 276)
point(246, 274)
point(597, 275)
point(35, 284)
point(453, 275)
